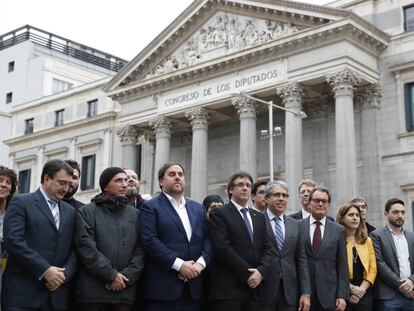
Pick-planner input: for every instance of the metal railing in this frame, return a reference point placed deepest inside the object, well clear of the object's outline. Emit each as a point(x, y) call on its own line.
point(62, 45)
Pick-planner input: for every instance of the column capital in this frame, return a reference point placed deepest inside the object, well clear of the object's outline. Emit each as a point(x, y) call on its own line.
point(369, 96)
point(343, 82)
point(128, 134)
point(291, 95)
point(245, 107)
point(198, 118)
point(162, 127)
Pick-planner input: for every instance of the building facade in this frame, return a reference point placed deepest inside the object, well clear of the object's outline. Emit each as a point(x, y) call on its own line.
point(35, 63)
point(347, 65)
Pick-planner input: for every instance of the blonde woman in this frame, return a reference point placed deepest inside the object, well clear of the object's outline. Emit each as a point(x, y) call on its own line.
point(362, 264)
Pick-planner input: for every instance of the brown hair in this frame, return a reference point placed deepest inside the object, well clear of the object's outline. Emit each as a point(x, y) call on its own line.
point(361, 232)
point(307, 182)
point(6, 172)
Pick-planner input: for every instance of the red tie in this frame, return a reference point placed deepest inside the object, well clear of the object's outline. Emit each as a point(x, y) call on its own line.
point(316, 237)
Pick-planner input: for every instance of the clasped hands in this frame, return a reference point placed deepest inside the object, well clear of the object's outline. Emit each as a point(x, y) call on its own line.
point(255, 278)
point(357, 292)
point(119, 283)
point(407, 288)
point(54, 277)
point(190, 270)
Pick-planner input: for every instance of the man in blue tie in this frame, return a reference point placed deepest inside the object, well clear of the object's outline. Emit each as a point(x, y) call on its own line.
point(241, 248)
point(38, 235)
point(287, 286)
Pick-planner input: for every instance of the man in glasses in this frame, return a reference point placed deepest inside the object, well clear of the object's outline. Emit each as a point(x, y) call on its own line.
point(326, 255)
point(241, 248)
point(287, 285)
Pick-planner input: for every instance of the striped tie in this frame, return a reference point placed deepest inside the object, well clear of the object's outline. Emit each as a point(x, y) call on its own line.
point(54, 208)
point(278, 233)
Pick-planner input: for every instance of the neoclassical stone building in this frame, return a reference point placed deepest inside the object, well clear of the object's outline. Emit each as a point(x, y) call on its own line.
point(343, 65)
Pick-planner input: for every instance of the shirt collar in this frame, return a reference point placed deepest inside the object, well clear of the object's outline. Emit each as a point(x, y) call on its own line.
point(393, 232)
point(271, 215)
point(322, 221)
point(48, 200)
point(238, 206)
point(174, 201)
point(305, 213)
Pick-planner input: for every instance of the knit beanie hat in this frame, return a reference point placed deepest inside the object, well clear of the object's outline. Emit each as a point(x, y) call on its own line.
point(107, 175)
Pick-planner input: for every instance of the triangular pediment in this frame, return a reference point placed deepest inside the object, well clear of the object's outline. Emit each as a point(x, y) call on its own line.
point(210, 30)
point(223, 34)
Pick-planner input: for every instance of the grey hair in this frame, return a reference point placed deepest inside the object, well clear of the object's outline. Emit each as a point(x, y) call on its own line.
point(272, 184)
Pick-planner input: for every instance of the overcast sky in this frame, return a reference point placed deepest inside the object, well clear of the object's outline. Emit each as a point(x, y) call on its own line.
point(119, 27)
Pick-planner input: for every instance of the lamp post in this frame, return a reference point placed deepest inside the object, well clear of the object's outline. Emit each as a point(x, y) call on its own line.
point(301, 114)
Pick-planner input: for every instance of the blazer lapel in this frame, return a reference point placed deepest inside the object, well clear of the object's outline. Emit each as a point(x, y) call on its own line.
point(410, 242)
point(239, 219)
point(255, 223)
point(391, 242)
point(270, 231)
point(288, 231)
point(62, 215)
point(42, 205)
point(172, 213)
point(191, 216)
point(326, 236)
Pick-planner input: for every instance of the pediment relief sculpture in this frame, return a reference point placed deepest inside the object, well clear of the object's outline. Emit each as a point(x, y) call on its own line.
point(223, 34)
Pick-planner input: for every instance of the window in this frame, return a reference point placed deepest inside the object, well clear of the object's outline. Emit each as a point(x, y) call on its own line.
point(409, 18)
point(92, 108)
point(59, 117)
point(11, 66)
point(60, 86)
point(28, 129)
point(409, 106)
point(24, 181)
point(88, 172)
point(9, 97)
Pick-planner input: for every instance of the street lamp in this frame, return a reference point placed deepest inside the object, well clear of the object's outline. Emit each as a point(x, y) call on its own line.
point(301, 114)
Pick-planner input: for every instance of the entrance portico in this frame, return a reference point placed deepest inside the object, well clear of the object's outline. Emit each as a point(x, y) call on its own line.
point(310, 59)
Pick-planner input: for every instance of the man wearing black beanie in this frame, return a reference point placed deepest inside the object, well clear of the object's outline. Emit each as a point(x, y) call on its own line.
point(106, 239)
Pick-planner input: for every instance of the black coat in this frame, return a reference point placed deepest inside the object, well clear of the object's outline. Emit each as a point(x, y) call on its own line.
point(106, 241)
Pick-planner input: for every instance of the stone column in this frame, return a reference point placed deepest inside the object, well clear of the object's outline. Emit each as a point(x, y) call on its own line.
point(107, 149)
point(342, 84)
point(199, 168)
point(72, 149)
point(128, 136)
point(162, 130)
point(39, 164)
point(247, 112)
point(292, 100)
point(369, 99)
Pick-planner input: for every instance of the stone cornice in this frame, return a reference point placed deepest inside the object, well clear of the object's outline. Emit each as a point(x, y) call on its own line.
point(300, 42)
point(190, 19)
point(111, 115)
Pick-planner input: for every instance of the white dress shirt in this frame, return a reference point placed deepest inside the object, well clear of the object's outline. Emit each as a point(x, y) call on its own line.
point(312, 227)
point(305, 214)
point(182, 213)
point(239, 208)
point(403, 254)
point(272, 221)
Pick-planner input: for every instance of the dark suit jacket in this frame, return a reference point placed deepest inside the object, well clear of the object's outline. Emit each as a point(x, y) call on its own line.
point(290, 264)
point(163, 237)
point(388, 277)
point(328, 268)
point(75, 203)
point(235, 253)
point(34, 244)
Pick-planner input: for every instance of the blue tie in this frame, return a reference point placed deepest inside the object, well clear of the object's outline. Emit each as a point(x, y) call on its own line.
point(247, 222)
point(278, 233)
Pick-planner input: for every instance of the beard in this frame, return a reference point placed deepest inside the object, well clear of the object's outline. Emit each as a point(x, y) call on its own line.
point(397, 223)
point(71, 192)
point(132, 193)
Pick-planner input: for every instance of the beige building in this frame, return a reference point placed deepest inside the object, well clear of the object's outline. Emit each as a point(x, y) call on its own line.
point(345, 65)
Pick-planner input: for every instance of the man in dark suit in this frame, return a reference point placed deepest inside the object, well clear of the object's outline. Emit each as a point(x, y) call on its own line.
point(325, 247)
point(287, 284)
point(174, 236)
point(38, 235)
point(241, 248)
point(394, 250)
point(305, 188)
point(73, 186)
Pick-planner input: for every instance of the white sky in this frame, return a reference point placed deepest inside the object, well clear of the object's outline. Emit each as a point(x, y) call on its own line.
point(121, 27)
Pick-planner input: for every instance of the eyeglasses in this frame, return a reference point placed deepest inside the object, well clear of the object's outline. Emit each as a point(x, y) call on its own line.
point(242, 184)
point(319, 201)
point(279, 194)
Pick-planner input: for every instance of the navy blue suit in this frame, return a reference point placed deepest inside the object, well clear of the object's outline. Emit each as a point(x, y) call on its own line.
point(164, 239)
point(34, 244)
